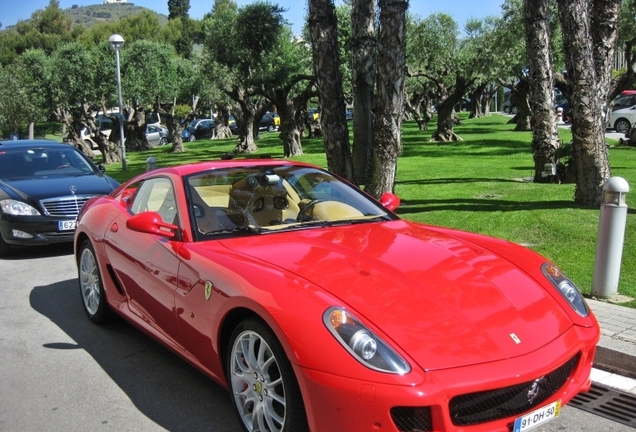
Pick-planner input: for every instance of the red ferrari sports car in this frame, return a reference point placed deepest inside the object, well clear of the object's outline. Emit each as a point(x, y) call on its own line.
point(320, 309)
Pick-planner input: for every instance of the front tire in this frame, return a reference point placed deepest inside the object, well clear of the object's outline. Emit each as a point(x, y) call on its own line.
point(264, 390)
point(271, 128)
point(192, 138)
point(91, 286)
point(622, 125)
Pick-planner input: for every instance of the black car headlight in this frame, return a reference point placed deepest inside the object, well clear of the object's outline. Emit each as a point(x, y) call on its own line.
point(362, 343)
point(567, 288)
point(17, 208)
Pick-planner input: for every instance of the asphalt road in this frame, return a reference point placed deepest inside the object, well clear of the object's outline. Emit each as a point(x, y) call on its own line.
point(59, 372)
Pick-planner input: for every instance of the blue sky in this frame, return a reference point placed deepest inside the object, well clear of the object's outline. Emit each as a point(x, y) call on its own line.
point(11, 11)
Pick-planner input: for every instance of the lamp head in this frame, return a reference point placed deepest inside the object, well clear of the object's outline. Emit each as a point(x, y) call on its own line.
point(116, 42)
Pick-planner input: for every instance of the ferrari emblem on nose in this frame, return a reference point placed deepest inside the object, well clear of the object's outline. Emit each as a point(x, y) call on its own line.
point(208, 290)
point(515, 338)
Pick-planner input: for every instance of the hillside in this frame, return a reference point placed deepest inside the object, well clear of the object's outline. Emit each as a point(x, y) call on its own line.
point(91, 15)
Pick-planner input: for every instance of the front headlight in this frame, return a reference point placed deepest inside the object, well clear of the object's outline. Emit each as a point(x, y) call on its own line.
point(567, 288)
point(365, 346)
point(17, 208)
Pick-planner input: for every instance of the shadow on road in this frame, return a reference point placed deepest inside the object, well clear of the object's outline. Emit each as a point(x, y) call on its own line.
point(163, 387)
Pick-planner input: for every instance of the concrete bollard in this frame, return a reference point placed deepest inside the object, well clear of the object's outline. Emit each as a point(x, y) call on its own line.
point(611, 234)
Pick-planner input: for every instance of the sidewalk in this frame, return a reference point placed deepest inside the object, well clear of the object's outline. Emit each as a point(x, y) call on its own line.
point(615, 361)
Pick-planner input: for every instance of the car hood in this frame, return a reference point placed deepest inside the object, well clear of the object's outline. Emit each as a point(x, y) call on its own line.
point(57, 186)
point(445, 302)
point(624, 111)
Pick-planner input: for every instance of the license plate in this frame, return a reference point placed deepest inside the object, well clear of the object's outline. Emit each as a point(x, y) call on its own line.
point(537, 417)
point(66, 225)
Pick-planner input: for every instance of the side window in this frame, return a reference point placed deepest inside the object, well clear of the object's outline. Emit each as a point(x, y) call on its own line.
point(156, 195)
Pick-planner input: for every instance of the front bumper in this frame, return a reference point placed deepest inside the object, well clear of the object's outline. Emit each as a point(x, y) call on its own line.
point(38, 230)
point(335, 403)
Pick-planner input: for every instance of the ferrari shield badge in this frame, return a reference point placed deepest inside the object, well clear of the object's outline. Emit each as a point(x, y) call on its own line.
point(208, 290)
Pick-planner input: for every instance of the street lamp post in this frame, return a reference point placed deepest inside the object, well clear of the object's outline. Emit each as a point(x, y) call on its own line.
point(116, 42)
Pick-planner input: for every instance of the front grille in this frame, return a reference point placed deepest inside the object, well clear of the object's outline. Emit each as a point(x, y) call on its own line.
point(412, 419)
point(68, 206)
point(480, 407)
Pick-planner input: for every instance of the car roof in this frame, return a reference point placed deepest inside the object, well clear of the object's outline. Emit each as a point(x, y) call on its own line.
point(11, 144)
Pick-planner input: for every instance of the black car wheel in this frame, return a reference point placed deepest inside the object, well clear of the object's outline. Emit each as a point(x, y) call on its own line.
point(622, 125)
point(264, 389)
point(271, 128)
point(192, 138)
point(91, 286)
point(163, 141)
point(514, 110)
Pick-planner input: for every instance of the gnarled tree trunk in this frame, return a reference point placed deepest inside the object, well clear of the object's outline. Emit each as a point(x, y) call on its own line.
point(589, 150)
point(323, 28)
point(389, 99)
point(545, 139)
point(363, 66)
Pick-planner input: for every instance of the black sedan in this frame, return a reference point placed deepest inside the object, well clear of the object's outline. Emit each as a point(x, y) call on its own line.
point(43, 185)
point(200, 129)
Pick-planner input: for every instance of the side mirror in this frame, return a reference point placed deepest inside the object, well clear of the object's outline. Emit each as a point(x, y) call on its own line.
point(102, 168)
point(390, 201)
point(151, 223)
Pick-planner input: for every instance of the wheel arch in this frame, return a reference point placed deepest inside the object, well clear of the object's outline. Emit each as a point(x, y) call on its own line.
point(231, 320)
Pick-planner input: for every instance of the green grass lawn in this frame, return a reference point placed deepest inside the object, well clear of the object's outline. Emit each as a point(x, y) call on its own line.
point(478, 185)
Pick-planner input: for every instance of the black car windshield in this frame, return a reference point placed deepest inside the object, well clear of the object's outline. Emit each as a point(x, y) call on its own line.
point(269, 199)
point(29, 162)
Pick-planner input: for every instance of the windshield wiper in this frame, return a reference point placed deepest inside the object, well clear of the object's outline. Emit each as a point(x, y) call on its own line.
point(237, 230)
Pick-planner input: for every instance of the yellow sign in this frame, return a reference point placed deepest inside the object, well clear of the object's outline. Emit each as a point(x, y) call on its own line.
point(208, 290)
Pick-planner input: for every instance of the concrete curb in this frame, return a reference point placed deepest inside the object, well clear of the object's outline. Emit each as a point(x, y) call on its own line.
point(616, 351)
point(615, 361)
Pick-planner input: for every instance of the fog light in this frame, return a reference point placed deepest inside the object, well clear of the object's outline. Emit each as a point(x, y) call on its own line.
point(20, 234)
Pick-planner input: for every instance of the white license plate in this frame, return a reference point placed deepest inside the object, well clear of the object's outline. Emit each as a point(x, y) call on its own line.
point(66, 225)
point(537, 417)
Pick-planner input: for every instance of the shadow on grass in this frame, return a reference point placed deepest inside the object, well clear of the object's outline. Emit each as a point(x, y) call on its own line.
point(484, 205)
point(446, 181)
point(432, 149)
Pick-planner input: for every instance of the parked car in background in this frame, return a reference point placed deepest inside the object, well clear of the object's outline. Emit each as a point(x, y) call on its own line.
point(201, 128)
point(321, 309)
point(314, 114)
point(626, 99)
point(270, 121)
point(43, 186)
point(623, 119)
point(104, 124)
point(157, 135)
point(231, 123)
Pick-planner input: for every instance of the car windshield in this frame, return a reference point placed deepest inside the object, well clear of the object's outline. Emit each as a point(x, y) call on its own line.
point(266, 199)
point(32, 162)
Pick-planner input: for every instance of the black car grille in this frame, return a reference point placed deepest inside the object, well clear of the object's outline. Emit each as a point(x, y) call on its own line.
point(412, 419)
point(480, 407)
point(68, 206)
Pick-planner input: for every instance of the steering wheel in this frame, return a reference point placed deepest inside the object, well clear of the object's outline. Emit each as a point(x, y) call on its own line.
point(303, 213)
point(199, 211)
point(63, 166)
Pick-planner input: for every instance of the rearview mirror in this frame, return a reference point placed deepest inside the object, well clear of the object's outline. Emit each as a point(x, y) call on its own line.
point(390, 201)
point(151, 223)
